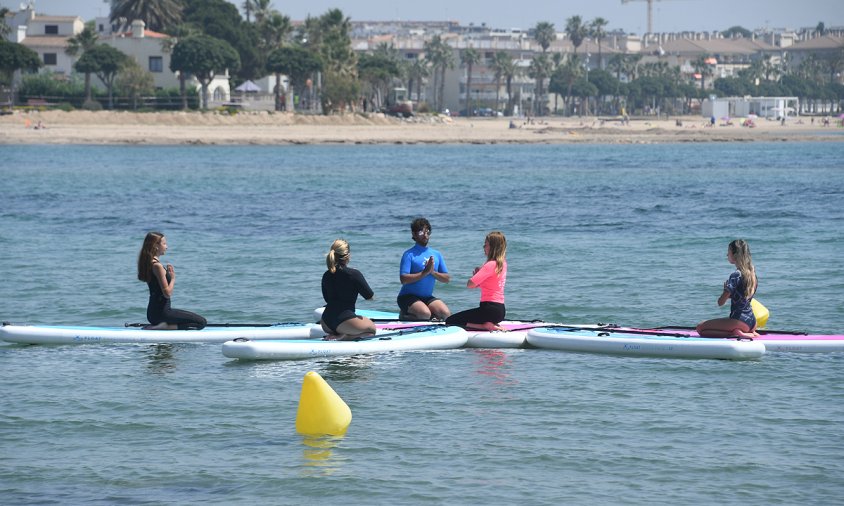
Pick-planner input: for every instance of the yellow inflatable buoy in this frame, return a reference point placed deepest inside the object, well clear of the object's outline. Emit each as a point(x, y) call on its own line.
point(760, 312)
point(321, 410)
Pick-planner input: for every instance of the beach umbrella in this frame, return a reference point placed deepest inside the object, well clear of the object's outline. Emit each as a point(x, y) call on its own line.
point(248, 87)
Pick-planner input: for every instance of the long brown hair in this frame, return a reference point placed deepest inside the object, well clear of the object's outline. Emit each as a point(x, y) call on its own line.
point(148, 251)
point(744, 263)
point(497, 249)
point(338, 255)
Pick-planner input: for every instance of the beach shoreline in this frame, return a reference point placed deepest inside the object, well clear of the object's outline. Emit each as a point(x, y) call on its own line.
point(265, 128)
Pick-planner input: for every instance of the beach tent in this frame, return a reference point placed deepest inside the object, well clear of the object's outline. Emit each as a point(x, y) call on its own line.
point(248, 87)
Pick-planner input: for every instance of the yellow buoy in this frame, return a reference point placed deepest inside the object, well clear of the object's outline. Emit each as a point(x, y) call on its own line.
point(321, 410)
point(760, 312)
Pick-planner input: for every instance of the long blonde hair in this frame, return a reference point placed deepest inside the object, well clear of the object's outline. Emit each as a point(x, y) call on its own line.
point(744, 263)
point(148, 252)
point(497, 249)
point(338, 255)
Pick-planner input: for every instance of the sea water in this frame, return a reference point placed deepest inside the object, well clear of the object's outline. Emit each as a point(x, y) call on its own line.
point(634, 235)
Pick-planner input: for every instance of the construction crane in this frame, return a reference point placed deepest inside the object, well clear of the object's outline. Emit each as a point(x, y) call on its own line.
point(650, 12)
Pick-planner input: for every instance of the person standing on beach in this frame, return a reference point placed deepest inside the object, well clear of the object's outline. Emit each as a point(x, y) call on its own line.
point(161, 282)
point(341, 286)
point(490, 278)
point(740, 288)
point(420, 268)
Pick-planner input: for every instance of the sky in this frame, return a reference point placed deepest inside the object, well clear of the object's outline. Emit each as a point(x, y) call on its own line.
point(669, 15)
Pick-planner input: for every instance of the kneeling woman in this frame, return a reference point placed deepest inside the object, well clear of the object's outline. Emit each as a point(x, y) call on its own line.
point(161, 282)
point(491, 278)
point(341, 286)
point(740, 288)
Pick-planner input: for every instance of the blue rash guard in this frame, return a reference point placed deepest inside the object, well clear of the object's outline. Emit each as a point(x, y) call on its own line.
point(740, 308)
point(413, 261)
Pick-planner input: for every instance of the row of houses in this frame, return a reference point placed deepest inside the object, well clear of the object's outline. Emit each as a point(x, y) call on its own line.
point(48, 35)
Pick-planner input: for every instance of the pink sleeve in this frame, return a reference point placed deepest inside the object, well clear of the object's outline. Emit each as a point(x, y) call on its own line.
point(487, 270)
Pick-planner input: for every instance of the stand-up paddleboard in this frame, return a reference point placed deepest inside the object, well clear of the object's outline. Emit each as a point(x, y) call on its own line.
point(618, 342)
point(61, 334)
point(513, 336)
point(774, 340)
point(432, 337)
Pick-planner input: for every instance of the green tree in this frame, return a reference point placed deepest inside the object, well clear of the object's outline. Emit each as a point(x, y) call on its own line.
point(605, 84)
point(340, 91)
point(377, 71)
point(563, 79)
point(221, 19)
point(739, 31)
point(469, 57)
point(576, 31)
point(596, 29)
point(328, 36)
point(297, 63)
point(159, 15)
point(204, 57)
point(105, 62)
point(14, 57)
point(134, 82)
point(5, 29)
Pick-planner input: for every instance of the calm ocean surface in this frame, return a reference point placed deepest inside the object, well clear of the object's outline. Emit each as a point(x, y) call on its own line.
point(627, 234)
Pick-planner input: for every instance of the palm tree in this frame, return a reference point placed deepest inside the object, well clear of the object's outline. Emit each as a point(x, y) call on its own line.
point(248, 7)
point(540, 68)
point(262, 9)
point(78, 44)
point(4, 28)
point(274, 30)
point(544, 34)
point(597, 31)
point(81, 42)
point(440, 55)
point(631, 66)
point(499, 62)
point(509, 70)
point(417, 70)
point(576, 31)
point(569, 72)
point(157, 14)
point(702, 68)
point(468, 58)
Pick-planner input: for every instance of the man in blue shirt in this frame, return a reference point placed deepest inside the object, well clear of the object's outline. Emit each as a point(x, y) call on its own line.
point(421, 267)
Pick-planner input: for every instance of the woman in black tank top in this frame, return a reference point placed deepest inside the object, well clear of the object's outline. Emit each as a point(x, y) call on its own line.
point(161, 282)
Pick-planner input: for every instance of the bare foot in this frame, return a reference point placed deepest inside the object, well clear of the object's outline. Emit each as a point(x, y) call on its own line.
point(746, 335)
point(492, 327)
point(335, 337)
point(157, 326)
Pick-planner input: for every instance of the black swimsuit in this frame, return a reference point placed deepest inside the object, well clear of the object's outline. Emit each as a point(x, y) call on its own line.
point(340, 290)
point(159, 310)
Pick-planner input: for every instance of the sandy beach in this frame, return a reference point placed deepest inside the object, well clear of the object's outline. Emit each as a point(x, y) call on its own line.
point(263, 128)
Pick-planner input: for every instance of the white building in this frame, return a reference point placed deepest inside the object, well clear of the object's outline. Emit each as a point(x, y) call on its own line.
point(47, 36)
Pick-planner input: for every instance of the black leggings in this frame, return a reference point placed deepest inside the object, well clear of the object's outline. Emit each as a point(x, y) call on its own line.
point(492, 312)
point(185, 320)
